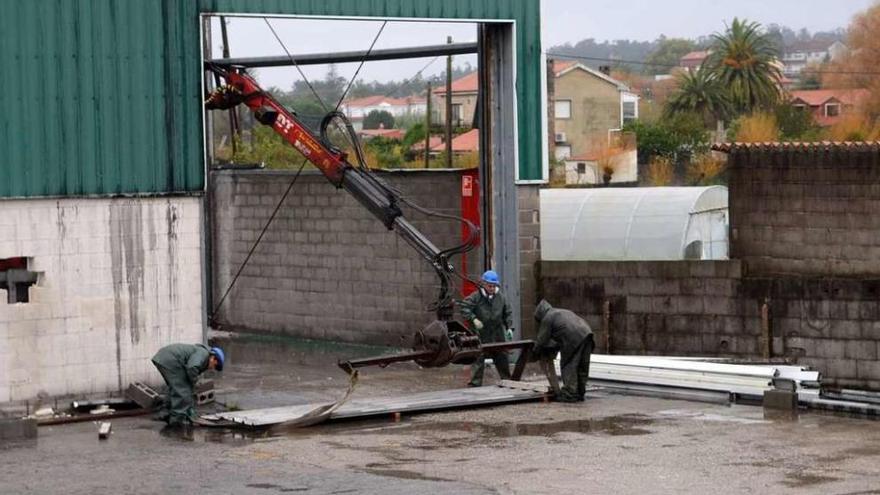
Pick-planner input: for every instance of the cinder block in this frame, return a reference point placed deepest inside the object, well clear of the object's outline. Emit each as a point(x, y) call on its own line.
point(843, 368)
point(690, 305)
point(142, 394)
point(13, 430)
point(693, 287)
point(638, 304)
point(846, 330)
point(664, 305)
point(719, 305)
point(780, 400)
point(831, 349)
point(702, 269)
point(868, 370)
point(861, 349)
point(639, 286)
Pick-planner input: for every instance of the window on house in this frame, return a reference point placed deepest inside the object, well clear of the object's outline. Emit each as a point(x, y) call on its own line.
point(832, 109)
point(800, 107)
point(563, 152)
point(629, 111)
point(563, 109)
point(582, 168)
point(456, 114)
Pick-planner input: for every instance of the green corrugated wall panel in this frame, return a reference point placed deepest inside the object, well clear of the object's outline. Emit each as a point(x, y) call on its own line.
point(102, 97)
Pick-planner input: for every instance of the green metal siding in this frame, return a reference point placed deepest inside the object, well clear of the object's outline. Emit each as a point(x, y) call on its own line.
point(102, 97)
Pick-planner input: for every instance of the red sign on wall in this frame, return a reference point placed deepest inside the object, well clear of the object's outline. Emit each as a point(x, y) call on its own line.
point(470, 210)
point(467, 186)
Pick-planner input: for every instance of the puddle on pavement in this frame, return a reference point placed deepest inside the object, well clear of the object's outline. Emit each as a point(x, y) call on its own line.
point(403, 474)
point(801, 479)
point(781, 416)
point(226, 436)
point(630, 424)
point(715, 417)
point(277, 488)
point(862, 451)
point(18, 444)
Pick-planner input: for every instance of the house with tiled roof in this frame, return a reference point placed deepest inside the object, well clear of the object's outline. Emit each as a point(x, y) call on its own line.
point(828, 106)
point(797, 56)
point(589, 108)
point(693, 60)
point(468, 142)
point(358, 108)
point(464, 100)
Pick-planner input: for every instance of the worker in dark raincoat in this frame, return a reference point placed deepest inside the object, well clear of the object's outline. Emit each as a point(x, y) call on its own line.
point(571, 335)
point(180, 366)
point(489, 314)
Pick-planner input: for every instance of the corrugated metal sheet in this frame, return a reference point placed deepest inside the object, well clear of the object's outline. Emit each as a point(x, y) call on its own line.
point(102, 97)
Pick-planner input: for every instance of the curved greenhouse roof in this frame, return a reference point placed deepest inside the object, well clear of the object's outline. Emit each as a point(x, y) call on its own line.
point(640, 223)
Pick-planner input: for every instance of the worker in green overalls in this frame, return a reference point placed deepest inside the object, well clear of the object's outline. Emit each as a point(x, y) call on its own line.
point(489, 314)
point(560, 330)
point(180, 366)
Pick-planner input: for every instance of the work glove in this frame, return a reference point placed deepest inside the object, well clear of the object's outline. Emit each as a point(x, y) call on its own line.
point(478, 324)
point(508, 335)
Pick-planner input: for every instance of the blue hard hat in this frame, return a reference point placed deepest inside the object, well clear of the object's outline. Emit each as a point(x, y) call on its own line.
point(490, 277)
point(218, 352)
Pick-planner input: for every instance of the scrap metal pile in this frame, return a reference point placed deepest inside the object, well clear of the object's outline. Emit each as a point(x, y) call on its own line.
point(724, 380)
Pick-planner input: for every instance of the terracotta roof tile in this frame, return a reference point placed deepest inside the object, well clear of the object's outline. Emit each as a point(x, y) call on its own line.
point(464, 84)
point(816, 97)
point(777, 146)
point(463, 143)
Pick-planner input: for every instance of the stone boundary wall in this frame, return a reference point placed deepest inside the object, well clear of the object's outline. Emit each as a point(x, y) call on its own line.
point(708, 308)
point(806, 210)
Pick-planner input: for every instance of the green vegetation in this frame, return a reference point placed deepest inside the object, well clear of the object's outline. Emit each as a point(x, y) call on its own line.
point(744, 59)
point(379, 119)
point(701, 93)
point(677, 137)
point(667, 54)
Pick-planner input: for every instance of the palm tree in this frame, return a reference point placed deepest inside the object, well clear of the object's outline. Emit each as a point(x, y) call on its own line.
point(700, 92)
point(744, 59)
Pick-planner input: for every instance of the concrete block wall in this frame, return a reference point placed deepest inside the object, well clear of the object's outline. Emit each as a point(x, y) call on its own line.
point(708, 308)
point(118, 278)
point(806, 210)
point(529, 254)
point(326, 268)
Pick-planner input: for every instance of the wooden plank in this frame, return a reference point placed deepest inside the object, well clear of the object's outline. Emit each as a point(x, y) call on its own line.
point(415, 403)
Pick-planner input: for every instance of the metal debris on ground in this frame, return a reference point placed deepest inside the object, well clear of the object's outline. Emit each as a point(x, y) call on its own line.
point(102, 409)
point(104, 430)
point(43, 412)
point(746, 381)
point(505, 393)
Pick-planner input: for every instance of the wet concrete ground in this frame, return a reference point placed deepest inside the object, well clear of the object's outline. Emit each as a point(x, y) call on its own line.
point(608, 444)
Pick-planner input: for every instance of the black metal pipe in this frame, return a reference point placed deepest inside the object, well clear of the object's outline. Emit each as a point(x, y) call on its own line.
point(344, 57)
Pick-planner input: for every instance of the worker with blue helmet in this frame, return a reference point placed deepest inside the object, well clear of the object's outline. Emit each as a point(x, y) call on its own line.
point(180, 366)
point(489, 314)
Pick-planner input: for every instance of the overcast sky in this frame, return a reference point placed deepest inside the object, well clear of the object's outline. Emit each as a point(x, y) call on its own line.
point(566, 21)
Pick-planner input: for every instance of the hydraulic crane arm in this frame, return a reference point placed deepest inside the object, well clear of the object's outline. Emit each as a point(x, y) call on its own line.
point(373, 193)
point(443, 341)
